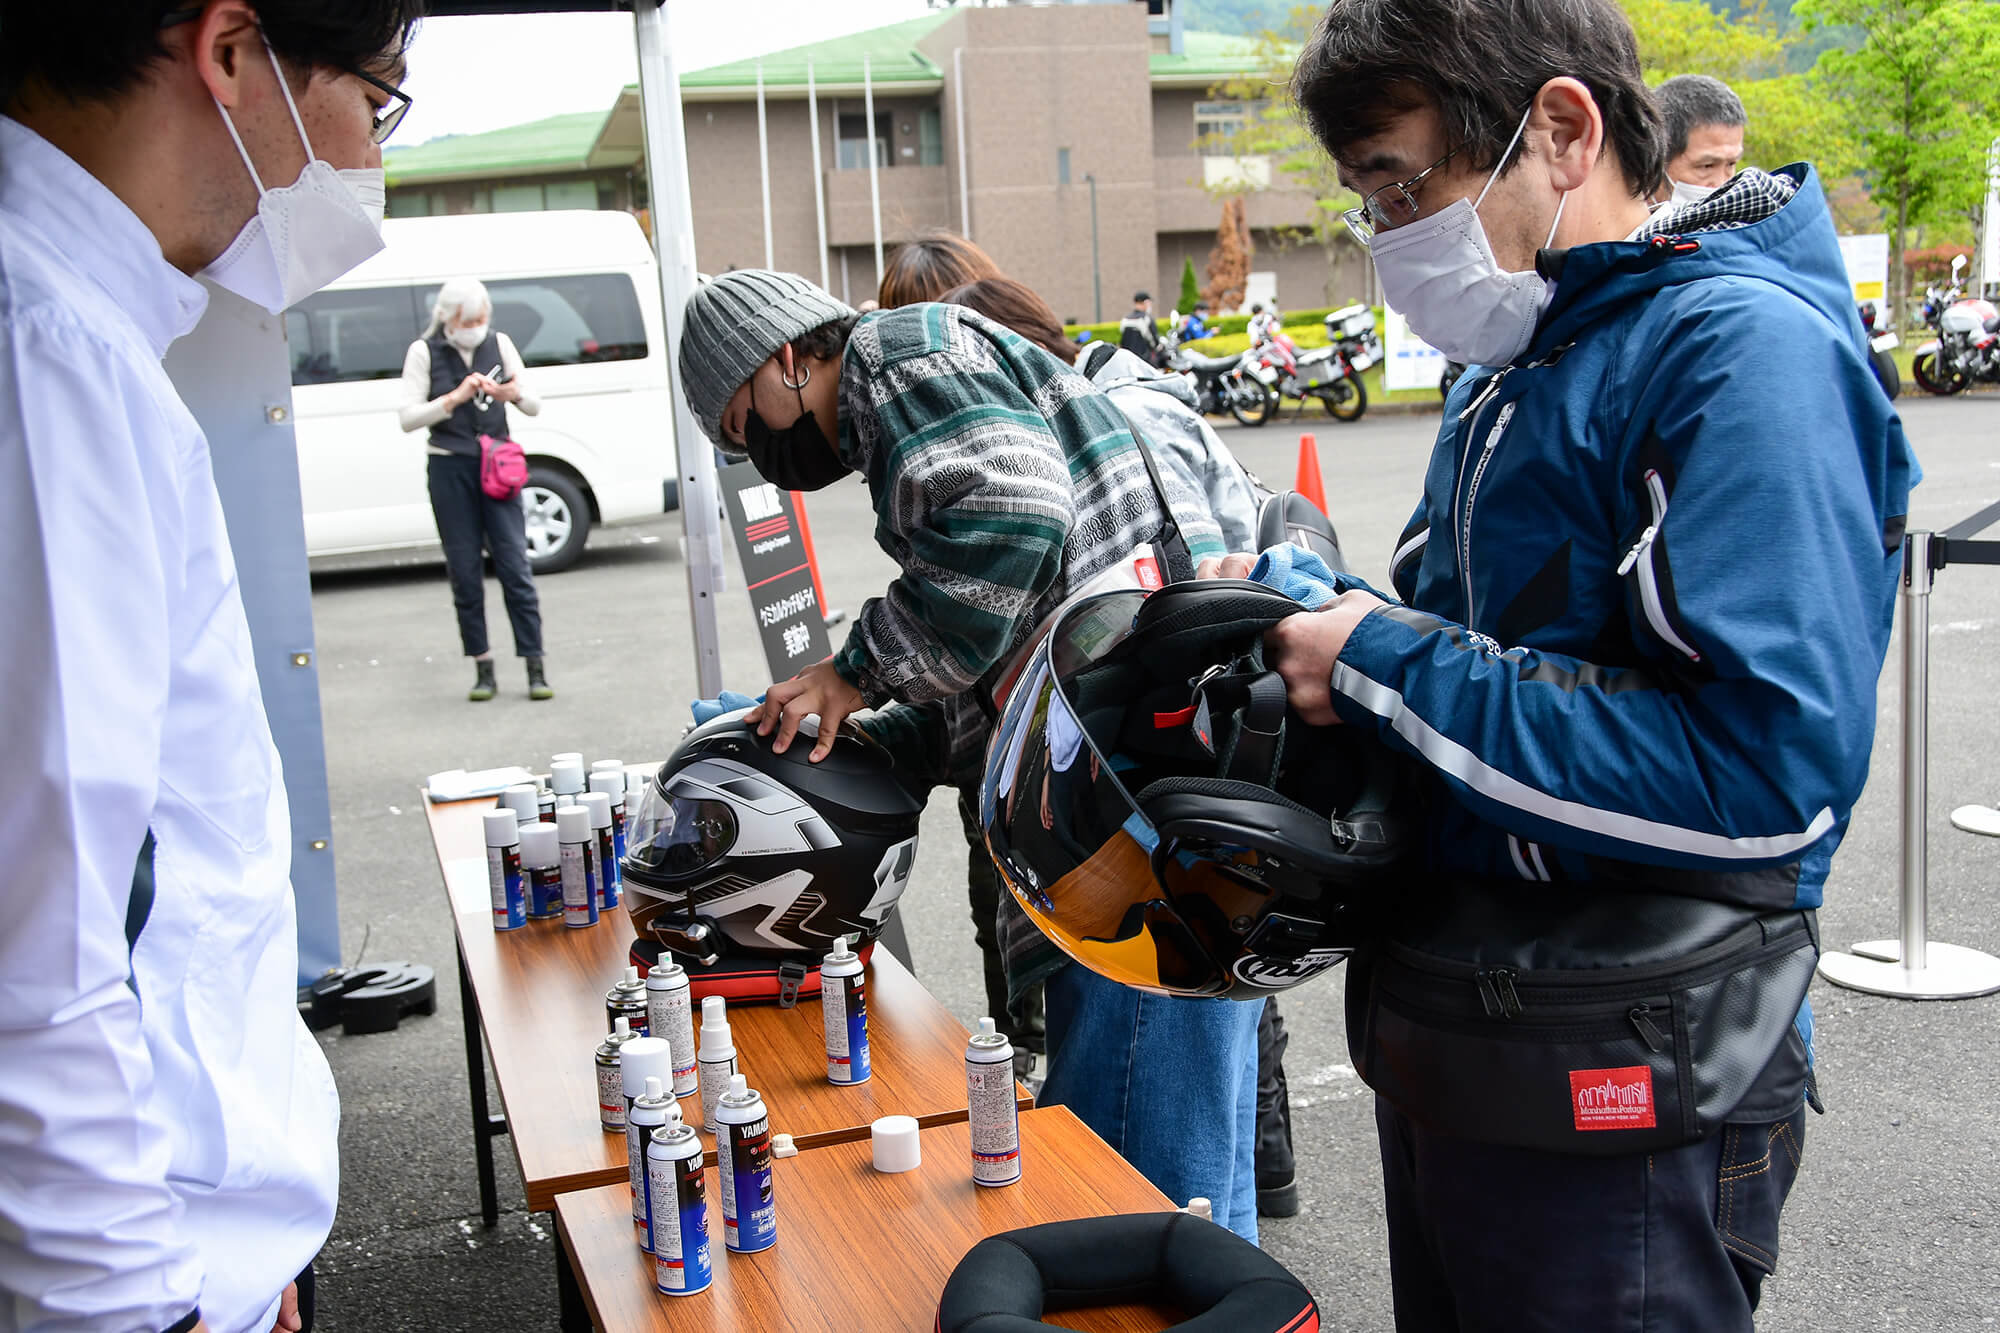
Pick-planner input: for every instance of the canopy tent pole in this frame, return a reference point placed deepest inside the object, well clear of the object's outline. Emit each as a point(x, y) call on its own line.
point(819, 176)
point(764, 166)
point(874, 186)
point(673, 237)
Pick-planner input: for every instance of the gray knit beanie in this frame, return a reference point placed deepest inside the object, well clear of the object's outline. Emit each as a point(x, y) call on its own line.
point(737, 322)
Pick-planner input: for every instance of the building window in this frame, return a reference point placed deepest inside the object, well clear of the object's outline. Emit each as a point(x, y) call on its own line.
point(569, 194)
point(1062, 166)
point(851, 140)
point(517, 198)
point(1217, 125)
point(930, 137)
point(412, 204)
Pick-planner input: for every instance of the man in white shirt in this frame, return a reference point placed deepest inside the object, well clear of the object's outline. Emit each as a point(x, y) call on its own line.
point(167, 1126)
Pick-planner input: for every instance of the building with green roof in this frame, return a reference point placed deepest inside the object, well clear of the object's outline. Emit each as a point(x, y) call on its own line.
point(1073, 141)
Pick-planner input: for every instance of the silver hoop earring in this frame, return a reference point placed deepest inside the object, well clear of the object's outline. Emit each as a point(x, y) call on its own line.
point(805, 378)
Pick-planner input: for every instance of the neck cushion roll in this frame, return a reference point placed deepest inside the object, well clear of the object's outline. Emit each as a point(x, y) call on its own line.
point(1223, 1282)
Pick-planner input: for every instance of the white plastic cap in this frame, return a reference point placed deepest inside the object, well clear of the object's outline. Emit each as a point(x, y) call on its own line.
point(523, 800)
point(632, 974)
point(986, 1027)
point(567, 757)
point(622, 1026)
point(573, 824)
point(608, 765)
point(1200, 1207)
point(566, 776)
point(503, 828)
point(714, 1012)
point(599, 807)
point(896, 1145)
point(782, 1146)
point(538, 846)
point(642, 1058)
point(611, 784)
point(655, 1090)
point(843, 950)
point(636, 781)
point(738, 1086)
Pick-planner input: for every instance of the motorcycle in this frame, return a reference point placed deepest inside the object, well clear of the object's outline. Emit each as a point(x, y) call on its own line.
point(1331, 374)
point(1225, 384)
point(1881, 348)
point(1967, 347)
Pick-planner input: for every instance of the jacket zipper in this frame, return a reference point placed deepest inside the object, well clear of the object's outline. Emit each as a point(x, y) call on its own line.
point(1641, 556)
point(1500, 420)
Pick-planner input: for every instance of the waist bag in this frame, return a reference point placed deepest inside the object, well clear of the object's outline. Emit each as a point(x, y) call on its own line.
point(1582, 1019)
point(503, 467)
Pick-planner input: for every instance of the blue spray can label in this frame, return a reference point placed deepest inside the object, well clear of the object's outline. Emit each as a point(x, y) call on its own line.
point(843, 1007)
point(743, 1161)
point(680, 1211)
point(654, 1109)
point(503, 870)
point(579, 890)
point(541, 865)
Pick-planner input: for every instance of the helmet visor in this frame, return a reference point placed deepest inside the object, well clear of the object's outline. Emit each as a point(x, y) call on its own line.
point(677, 829)
point(1064, 831)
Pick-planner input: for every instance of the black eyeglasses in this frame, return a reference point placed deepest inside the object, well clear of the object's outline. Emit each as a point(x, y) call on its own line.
point(385, 120)
point(1390, 206)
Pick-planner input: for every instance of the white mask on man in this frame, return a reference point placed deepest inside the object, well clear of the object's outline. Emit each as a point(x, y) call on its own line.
point(1440, 274)
point(1685, 194)
point(305, 234)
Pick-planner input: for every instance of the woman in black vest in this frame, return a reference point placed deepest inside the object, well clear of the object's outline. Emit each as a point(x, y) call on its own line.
point(457, 380)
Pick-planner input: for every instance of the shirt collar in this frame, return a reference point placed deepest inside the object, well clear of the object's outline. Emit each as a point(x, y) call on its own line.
point(93, 228)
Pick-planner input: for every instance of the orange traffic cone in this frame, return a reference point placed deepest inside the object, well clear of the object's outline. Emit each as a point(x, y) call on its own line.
point(1309, 483)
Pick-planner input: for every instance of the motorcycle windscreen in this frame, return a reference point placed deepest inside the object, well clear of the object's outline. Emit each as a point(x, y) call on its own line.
point(1068, 839)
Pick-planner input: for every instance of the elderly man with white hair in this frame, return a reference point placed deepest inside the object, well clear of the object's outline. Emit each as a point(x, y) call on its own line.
point(457, 381)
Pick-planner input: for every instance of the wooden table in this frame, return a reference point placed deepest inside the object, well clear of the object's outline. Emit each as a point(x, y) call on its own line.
point(538, 994)
point(857, 1249)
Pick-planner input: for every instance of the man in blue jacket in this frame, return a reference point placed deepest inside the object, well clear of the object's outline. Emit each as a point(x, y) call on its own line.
point(1644, 601)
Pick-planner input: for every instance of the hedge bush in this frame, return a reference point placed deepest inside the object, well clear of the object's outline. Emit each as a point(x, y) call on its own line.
point(1227, 324)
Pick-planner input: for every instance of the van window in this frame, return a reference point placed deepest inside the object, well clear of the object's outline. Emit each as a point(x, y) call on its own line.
point(360, 334)
point(565, 321)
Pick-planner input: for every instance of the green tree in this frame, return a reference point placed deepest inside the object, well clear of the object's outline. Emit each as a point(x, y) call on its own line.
point(1190, 288)
point(1917, 94)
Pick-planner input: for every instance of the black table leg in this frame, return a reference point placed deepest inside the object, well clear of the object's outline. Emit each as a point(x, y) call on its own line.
point(485, 1125)
point(573, 1315)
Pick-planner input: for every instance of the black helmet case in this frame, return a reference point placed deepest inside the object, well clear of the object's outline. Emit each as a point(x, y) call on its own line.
point(1158, 811)
point(739, 855)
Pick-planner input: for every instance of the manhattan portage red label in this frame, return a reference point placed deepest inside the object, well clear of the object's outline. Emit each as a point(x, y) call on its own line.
point(1612, 1098)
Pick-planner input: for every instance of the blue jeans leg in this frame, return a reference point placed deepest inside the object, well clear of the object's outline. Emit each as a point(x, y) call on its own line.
point(1170, 1084)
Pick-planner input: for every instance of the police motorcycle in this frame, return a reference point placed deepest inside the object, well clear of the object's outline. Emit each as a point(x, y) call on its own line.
point(1967, 347)
point(1225, 383)
point(1332, 373)
point(1881, 349)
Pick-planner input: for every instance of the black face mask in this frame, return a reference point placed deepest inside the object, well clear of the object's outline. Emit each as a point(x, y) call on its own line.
point(797, 457)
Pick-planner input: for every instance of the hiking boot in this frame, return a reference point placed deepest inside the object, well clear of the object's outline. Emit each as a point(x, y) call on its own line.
point(1277, 1174)
point(538, 685)
point(482, 687)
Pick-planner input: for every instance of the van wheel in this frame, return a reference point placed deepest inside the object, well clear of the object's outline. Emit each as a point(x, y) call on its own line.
point(558, 520)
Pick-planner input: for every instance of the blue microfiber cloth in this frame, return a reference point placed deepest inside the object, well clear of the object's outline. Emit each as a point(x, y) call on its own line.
point(707, 710)
point(1302, 576)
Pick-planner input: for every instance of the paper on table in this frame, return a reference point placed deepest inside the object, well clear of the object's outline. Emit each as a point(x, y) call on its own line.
point(455, 784)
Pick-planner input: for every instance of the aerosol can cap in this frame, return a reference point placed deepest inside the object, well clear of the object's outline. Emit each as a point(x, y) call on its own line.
point(608, 765)
point(611, 784)
point(632, 976)
point(503, 828)
point(843, 950)
point(644, 1058)
point(986, 1027)
point(599, 807)
point(566, 776)
point(573, 824)
point(538, 846)
point(714, 1024)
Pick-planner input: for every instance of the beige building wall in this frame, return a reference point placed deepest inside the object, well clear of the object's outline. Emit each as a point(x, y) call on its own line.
point(1307, 277)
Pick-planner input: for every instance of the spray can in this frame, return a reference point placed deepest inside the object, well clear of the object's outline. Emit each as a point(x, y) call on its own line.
point(989, 1100)
point(680, 1211)
point(743, 1161)
point(541, 863)
point(565, 778)
point(599, 806)
point(523, 801)
point(566, 757)
point(611, 1079)
point(627, 998)
point(670, 1014)
point(574, 844)
point(609, 766)
point(503, 870)
point(654, 1108)
point(717, 1060)
point(612, 784)
point(545, 803)
point(843, 1011)
point(643, 1058)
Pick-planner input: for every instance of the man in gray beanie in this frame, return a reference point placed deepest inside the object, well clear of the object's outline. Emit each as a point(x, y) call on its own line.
point(1002, 483)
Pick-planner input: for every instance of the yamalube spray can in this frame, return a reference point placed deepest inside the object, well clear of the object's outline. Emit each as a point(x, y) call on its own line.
point(627, 999)
point(717, 1060)
point(524, 801)
point(503, 870)
point(611, 1079)
point(541, 862)
point(612, 783)
point(680, 1211)
point(574, 843)
point(670, 1014)
point(599, 806)
point(743, 1162)
point(654, 1108)
point(843, 1011)
point(989, 1100)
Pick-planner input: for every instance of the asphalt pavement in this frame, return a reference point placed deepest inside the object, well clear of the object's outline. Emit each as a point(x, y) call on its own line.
point(1895, 1221)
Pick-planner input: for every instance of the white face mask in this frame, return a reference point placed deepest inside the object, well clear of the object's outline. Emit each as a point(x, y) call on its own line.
point(467, 339)
point(1685, 194)
point(305, 234)
point(1440, 273)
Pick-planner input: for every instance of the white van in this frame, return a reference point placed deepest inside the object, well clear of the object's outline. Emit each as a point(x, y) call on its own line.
point(578, 294)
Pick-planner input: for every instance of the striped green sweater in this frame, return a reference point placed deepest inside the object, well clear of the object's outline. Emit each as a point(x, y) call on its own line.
point(1001, 480)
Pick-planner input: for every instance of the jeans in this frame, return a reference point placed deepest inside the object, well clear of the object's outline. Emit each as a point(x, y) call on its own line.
point(1021, 1022)
point(1170, 1084)
point(467, 519)
point(1488, 1239)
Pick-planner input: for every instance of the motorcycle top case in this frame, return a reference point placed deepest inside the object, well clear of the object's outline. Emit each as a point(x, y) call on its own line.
point(740, 980)
point(1315, 369)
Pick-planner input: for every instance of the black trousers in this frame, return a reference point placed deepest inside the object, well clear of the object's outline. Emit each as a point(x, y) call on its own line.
point(1487, 1239)
point(468, 520)
point(1027, 1029)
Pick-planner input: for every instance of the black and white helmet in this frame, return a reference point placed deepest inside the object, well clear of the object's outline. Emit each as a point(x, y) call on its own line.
point(741, 858)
